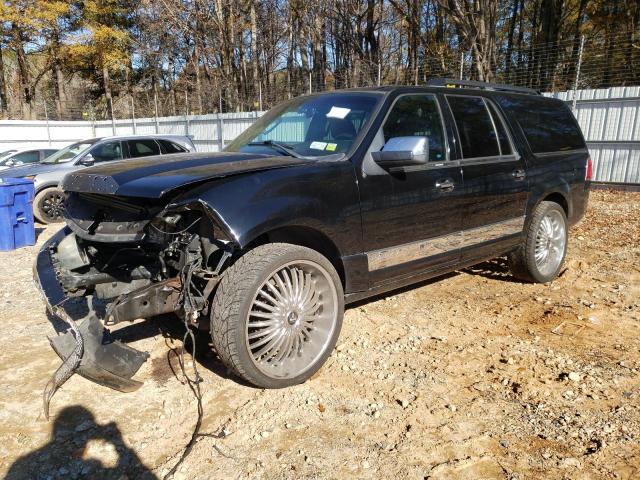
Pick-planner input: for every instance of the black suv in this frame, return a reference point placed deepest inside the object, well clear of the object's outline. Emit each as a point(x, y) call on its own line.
point(327, 199)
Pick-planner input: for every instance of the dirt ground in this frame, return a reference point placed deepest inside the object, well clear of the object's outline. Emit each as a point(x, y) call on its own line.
point(472, 375)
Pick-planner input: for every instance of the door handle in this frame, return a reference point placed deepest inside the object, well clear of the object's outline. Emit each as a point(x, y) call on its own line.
point(446, 185)
point(518, 174)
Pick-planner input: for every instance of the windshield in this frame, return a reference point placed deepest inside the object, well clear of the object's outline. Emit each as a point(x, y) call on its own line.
point(309, 126)
point(67, 153)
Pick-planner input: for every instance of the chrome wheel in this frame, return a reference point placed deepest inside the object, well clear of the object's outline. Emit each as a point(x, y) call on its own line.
point(292, 319)
point(551, 242)
point(53, 206)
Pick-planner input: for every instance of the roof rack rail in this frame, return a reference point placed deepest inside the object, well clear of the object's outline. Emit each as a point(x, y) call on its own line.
point(452, 82)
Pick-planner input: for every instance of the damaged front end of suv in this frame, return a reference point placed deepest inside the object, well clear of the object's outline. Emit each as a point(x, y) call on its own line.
point(157, 252)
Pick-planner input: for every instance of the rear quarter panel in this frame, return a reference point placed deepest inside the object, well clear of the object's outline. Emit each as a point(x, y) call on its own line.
point(554, 173)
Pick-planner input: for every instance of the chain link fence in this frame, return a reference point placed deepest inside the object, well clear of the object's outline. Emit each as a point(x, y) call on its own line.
point(597, 61)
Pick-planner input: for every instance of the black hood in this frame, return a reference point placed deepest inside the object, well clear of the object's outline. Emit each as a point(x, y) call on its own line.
point(152, 177)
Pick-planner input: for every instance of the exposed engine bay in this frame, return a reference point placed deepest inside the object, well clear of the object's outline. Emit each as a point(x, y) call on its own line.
point(144, 259)
point(140, 259)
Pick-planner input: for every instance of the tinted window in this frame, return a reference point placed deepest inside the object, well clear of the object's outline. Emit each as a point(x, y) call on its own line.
point(475, 128)
point(143, 148)
point(169, 147)
point(417, 115)
point(505, 145)
point(548, 124)
point(26, 157)
point(107, 152)
point(46, 153)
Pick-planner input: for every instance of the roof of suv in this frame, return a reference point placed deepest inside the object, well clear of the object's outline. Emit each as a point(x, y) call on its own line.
point(133, 137)
point(448, 83)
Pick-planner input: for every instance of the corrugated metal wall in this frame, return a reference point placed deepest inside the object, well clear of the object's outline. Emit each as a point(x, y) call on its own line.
point(609, 118)
point(610, 121)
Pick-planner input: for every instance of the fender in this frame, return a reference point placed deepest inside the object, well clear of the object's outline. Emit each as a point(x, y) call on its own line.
point(245, 207)
point(559, 174)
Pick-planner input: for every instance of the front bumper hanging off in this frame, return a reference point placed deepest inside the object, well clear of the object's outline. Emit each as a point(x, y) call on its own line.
point(101, 359)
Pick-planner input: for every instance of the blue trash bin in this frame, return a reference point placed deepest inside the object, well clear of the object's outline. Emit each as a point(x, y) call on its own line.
point(16, 213)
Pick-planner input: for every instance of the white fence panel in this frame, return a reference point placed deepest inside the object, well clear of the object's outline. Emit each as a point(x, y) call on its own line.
point(609, 118)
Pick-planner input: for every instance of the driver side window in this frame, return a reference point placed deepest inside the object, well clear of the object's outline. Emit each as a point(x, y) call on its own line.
point(417, 115)
point(107, 152)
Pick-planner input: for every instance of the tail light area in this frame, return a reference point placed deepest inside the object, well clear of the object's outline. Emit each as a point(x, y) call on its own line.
point(589, 173)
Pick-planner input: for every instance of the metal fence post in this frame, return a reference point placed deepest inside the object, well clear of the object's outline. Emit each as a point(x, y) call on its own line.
point(186, 113)
point(575, 83)
point(113, 120)
point(461, 64)
point(46, 116)
point(93, 120)
point(220, 133)
point(133, 115)
point(155, 111)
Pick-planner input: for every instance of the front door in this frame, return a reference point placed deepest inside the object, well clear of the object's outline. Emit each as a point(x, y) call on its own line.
point(411, 216)
point(494, 175)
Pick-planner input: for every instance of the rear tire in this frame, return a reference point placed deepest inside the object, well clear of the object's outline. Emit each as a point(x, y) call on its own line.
point(540, 257)
point(277, 314)
point(48, 205)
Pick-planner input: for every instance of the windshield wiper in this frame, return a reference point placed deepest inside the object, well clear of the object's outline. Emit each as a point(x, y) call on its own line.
point(283, 147)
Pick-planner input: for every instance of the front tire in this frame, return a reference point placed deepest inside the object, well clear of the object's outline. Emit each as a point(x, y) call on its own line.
point(277, 314)
point(541, 256)
point(48, 205)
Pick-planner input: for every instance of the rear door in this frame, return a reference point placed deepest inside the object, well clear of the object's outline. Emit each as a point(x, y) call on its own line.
point(494, 175)
point(411, 216)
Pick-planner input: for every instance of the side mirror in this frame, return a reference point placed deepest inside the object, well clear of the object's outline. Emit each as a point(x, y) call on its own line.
point(9, 163)
point(87, 160)
point(403, 152)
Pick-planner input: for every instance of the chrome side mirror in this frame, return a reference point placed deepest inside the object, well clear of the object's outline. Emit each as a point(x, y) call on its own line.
point(403, 152)
point(87, 160)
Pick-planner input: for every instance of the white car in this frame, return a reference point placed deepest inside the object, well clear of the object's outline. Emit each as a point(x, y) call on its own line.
point(16, 157)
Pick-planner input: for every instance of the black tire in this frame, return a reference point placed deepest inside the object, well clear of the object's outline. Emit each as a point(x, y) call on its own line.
point(522, 261)
point(234, 299)
point(48, 205)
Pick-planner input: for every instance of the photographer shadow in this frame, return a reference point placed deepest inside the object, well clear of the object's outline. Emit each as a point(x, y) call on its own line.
point(64, 456)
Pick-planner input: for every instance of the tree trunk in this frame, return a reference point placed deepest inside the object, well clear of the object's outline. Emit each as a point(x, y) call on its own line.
point(512, 29)
point(24, 74)
point(254, 51)
point(4, 106)
point(106, 82)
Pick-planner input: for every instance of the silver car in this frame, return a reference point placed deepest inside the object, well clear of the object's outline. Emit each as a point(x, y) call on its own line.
point(23, 156)
point(48, 204)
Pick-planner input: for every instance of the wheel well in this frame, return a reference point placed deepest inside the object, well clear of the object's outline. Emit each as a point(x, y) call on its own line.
point(559, 199)
point(305, 237)
point(42, 189)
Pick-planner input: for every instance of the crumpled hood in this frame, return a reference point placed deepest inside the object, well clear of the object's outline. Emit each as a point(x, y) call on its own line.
point(152, 177)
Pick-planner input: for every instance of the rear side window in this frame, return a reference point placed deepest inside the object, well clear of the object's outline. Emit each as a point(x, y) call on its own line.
point(26, 157)
point(475, 127)
point(143, 148)
point(548, 125)
point(169, 147)
point(503, 139)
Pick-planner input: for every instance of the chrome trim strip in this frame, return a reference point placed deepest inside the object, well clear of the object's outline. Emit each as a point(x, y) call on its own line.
point(409, 252)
